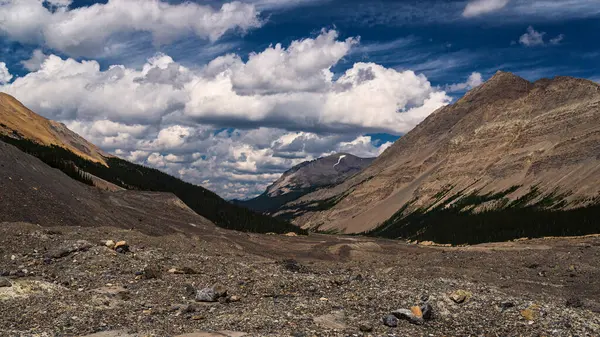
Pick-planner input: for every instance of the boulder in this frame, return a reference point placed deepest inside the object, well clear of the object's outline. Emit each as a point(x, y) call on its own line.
point(531, 313)
point(414, 315)
point(121, 247)
point(365, 327)
point(390, 320)
point(211, 294)
point(182, 271)
point(207, 295)
point(113, 292)
point(334, 320)
point(427, 311)
point(460, 296)
point(68, 249)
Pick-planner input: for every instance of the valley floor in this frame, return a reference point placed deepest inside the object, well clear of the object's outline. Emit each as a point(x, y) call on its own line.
point(55, 284)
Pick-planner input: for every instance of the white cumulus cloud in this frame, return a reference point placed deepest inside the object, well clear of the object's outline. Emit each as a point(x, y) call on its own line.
point(233, 126)
point(480, 7)
point(87, 31)
point(35, 62)
point(534, 38)
point(5, 75)
point(474, 80)
point(303, 66)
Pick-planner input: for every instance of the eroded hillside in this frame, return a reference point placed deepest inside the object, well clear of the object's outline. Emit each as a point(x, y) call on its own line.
point(508, 135)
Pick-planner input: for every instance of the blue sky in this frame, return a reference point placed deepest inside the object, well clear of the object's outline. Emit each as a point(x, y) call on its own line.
point(202, 90)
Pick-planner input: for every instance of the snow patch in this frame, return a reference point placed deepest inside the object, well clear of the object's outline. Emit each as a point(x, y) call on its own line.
point(339, 160)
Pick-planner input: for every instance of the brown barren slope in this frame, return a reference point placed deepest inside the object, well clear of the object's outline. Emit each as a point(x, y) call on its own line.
point(14, 116)
point(34, 192)
point(507, 132)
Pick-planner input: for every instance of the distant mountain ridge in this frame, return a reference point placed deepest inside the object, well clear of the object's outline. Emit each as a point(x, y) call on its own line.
point(304, 178)
point(507, 145)
point(63, 149)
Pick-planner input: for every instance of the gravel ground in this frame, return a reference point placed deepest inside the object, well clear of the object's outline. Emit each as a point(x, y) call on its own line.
point(65, 281)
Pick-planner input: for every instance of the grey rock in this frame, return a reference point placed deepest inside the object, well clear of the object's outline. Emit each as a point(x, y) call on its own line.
point(460, 296)
point(390, 320)
point(211, 294)
point(365, 328)
point(427, 311)
point(122, 250)
point(335, 320)
point(113, 292)
point(121, 247)
point(407, 315)
point(206, 295)
point(68, 249)
point(506, 305)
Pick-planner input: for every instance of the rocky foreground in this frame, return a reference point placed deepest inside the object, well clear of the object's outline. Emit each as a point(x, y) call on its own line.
point(71, 281)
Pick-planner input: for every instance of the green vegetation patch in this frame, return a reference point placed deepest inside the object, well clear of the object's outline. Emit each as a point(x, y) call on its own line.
point(453, 220)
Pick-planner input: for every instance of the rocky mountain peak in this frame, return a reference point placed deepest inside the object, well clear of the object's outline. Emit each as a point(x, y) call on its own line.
point(502, 86)
point(305, 178)
point(319, 172)
point(508, 137)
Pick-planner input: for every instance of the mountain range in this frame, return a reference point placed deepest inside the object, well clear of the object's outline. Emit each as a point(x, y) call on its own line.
point(58, 147)
point(488, 167)
point(88, 237)
point(305, 178)
point(510, 159)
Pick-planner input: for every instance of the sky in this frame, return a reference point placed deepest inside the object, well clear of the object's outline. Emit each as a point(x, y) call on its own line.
point(230, 94)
